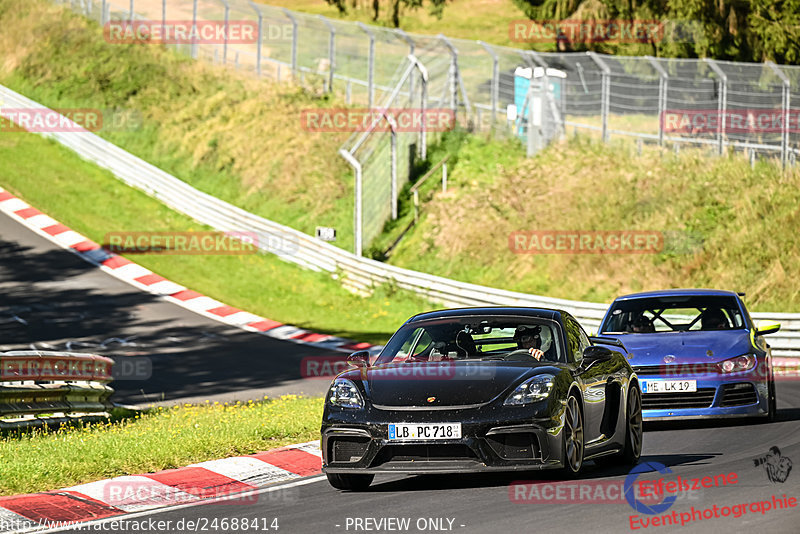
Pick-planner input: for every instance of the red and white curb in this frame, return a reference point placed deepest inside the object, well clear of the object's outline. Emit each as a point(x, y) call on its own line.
point(227, 481)
point(144, 279)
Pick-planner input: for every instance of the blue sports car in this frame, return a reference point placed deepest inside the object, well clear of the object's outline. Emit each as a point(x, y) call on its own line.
point(696, 352)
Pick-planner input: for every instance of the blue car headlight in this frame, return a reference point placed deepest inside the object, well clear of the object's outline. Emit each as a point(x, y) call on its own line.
point(532, 390)
point(344, 393)
point(737, 364)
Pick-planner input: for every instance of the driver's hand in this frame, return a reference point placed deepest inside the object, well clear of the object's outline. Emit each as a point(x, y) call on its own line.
point(536, 353)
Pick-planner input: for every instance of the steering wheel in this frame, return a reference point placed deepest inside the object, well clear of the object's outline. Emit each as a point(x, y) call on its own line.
point(520, 355)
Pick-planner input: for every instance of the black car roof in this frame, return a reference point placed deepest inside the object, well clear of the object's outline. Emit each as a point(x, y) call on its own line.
point(542, 313)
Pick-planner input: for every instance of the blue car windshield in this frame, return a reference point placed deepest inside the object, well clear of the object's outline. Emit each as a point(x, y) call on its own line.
point(677, 313)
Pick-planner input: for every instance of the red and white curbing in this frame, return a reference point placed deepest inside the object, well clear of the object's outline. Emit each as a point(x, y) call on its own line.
point(227, 481)
point(151, 282)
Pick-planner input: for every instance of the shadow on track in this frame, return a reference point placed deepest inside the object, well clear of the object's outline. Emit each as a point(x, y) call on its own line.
point(53, 300)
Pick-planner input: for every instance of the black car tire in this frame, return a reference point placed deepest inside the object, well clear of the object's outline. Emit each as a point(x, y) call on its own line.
point(632, 451)
point(573, 442)
point(633, 428)
point(772, 401)
point(349, 482)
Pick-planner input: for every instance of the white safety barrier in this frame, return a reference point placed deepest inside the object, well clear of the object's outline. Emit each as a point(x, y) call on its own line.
point(358, 273)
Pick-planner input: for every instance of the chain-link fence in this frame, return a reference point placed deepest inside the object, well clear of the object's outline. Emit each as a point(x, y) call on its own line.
point(535, 96)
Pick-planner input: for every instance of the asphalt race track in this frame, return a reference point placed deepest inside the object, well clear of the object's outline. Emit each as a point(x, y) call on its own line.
point(482, 503)
point(53, 300)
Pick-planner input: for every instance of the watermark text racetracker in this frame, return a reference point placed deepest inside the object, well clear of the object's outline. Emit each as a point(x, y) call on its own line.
point(127, 492)
point(192, 243)
point(603, 242)
point(377, 119)
point(330, 366)
point(192, 32)
point(590, 31)
point(731, 121)
point(40, 120)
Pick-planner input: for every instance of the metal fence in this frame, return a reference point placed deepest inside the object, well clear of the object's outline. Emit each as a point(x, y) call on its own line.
point(607, 96)
point(354, 272)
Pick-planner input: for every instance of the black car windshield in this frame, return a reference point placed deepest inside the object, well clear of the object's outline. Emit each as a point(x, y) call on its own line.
point(474, 338)
point(673, 314)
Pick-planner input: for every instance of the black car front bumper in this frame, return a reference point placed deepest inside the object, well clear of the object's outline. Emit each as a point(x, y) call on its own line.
point(515, 443)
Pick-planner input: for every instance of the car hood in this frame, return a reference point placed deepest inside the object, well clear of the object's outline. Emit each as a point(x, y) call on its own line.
point(448, 383)
point(685, 347)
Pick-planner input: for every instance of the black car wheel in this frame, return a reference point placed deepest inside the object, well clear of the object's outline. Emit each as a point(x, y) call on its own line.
point(573, 437)
point(633, 428)
point(350, 482)
point(771, 401)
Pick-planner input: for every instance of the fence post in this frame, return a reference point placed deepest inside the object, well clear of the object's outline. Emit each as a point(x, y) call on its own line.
point(292, 18)
point(785, 101)
point(423, 74)
point(357, 230)
point(130, 11)
point(103, 8)
point(722, 103)
point(663, 87)
point(194, 29)
point(260, 35)
point(495, 79)
point(331, 50)
point(456, 82)
point(412, 46)
point(606, 90)
point(163, 17)
point(225, 44)
point(371, 64)
point(393, 127)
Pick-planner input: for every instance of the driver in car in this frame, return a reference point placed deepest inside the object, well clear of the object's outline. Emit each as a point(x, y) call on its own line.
point(529, 338)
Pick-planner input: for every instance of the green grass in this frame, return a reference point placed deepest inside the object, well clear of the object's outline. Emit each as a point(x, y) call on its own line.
point(226, 133)
point(161, 438)
point(725, 225)
point(465, 19)
point(93, 202)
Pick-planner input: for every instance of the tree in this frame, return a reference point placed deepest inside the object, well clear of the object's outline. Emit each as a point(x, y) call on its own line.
point(395, 7)
point(742, 30)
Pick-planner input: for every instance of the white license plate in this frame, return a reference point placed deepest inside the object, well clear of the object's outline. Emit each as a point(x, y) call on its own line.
point(668, 386)
point(407, 431)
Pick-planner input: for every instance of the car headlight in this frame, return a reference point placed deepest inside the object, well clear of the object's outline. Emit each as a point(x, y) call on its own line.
point(344, 393)
point(532, 390)
point(737, 364)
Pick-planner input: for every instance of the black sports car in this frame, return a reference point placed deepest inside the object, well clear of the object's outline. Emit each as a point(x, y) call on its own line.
point(482, 389)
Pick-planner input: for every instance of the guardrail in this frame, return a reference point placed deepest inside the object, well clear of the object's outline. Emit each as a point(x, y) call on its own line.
point(37, 385)
point(356, 273)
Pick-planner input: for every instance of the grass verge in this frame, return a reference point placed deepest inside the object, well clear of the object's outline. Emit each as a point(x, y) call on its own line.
point(91, 201)
point(162, 438)
point(724, 224)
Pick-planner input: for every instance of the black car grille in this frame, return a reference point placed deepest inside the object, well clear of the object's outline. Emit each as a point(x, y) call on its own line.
point(665, 370)
point(738, 394)
point(515, 446)
point(702, 398)
point(424, 453)
point(348, 449)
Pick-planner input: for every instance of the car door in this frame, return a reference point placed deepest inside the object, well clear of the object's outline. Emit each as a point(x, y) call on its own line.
point(593, 380)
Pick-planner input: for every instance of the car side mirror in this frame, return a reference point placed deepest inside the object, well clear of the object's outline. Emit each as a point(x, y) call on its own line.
point(767, 327)
point(597, 353)
point(359, 359)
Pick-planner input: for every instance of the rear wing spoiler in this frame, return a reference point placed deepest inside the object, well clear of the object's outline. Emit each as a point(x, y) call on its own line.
point(602, 340)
